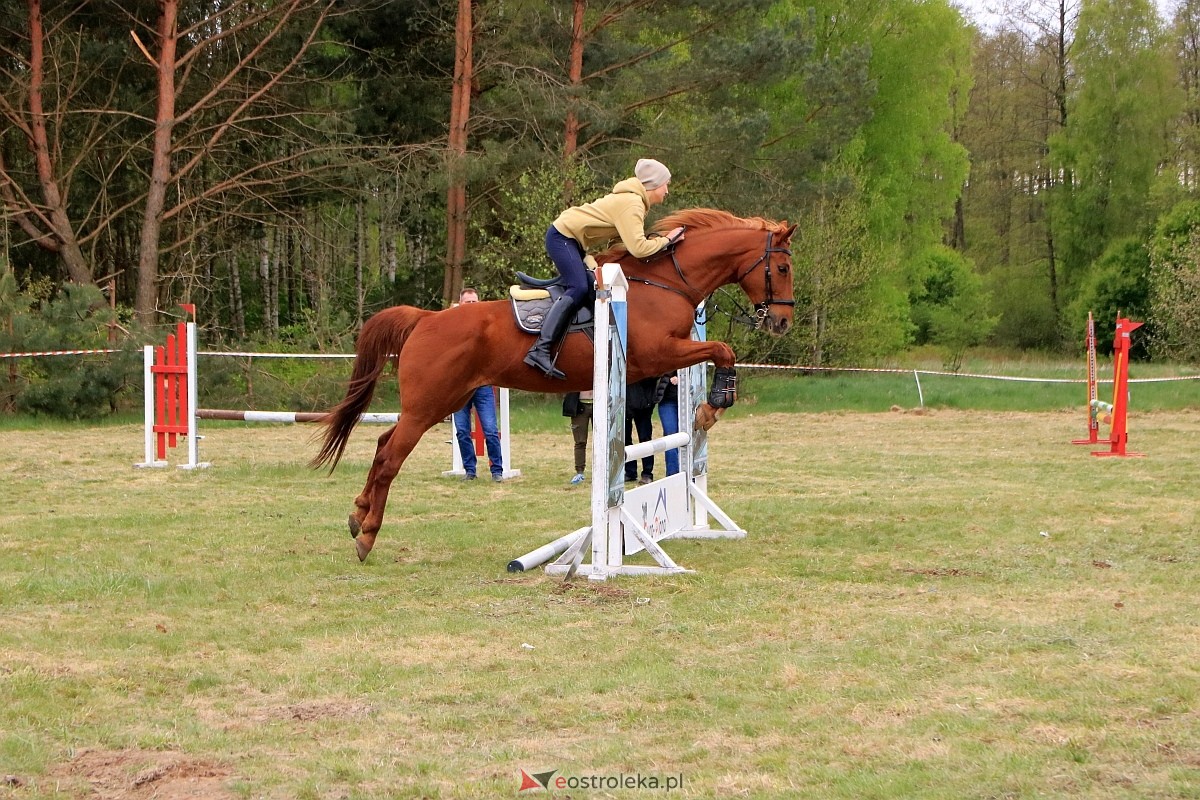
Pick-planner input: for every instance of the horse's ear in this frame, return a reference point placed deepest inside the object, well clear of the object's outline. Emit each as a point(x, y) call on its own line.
point(787, 237)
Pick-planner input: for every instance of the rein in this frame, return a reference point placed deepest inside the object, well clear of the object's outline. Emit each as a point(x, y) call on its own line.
point(760, 309)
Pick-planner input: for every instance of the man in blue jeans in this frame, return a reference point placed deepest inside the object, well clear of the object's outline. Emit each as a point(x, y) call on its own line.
point(484, 402)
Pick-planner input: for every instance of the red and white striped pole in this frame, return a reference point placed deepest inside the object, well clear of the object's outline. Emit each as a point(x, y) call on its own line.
point(1093, 398)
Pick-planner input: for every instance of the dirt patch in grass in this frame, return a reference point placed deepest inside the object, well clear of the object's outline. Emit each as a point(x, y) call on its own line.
point(324, 709)
point(589, 592)
point(943, 572)
point(137, 774)
point(250, 716)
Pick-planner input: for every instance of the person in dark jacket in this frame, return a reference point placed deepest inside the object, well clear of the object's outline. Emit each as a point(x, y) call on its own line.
point(639, 414)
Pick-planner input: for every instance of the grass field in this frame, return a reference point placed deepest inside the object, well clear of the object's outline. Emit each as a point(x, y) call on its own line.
point(938, 605)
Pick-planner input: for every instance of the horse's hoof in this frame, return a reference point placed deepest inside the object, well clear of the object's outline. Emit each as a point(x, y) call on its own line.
point(355, 526)
point(363, 545)
point(706, 417)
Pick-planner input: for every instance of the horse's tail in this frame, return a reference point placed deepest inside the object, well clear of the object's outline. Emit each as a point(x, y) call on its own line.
point(379, 342)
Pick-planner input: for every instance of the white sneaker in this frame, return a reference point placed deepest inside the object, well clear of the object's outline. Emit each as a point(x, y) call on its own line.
point(578, 478)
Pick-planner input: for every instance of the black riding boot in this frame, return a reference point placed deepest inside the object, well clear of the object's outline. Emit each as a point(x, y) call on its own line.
point(554, 326)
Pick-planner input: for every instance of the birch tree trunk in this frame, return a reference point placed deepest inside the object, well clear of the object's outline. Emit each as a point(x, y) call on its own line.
point(360, 257)
point(237, 307)
point(269, 286)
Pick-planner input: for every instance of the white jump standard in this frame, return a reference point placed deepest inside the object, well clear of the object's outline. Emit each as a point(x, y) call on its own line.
point(624, 523)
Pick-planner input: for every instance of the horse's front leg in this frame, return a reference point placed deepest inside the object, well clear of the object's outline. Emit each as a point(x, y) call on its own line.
point(723, 392)
point(721, 395)
point(362, 503)
point(686, 352)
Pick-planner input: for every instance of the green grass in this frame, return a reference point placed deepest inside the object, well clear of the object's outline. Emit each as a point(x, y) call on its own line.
point(936, 605)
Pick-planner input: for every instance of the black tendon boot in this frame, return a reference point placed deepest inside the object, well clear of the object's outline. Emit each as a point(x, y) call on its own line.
point(553, 327)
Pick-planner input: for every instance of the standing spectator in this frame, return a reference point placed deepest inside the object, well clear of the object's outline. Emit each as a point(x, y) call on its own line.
point(578, 406)
point(668, 415)
point(639, 410)
point(484, 403)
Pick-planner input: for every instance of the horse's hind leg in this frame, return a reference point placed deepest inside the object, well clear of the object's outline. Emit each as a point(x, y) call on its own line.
point(389, 458)
point(362, 503)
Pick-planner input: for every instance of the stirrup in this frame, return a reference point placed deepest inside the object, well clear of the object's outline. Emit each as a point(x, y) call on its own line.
point(550, 372)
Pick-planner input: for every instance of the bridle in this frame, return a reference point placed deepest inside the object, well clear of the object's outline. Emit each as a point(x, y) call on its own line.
point(761, 310)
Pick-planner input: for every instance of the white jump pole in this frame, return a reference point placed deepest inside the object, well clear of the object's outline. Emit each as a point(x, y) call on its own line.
point(376, 418)
point(535, 558)
point(193, 436)
point(150, 458)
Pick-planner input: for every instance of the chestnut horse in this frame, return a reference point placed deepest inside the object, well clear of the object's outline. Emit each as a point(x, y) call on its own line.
point(444, 355)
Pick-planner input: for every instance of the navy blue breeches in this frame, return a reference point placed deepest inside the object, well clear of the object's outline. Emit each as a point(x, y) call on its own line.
point(567, 254)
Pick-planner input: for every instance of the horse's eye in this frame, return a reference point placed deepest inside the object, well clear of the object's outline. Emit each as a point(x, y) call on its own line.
point(784, 269)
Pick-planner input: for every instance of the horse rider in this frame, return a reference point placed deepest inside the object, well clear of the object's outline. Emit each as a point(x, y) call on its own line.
point(621, 213)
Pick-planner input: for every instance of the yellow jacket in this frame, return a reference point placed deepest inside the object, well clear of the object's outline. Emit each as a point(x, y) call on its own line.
point(619, 214)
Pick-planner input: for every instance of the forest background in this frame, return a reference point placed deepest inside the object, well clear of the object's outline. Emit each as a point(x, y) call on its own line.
point(291, 166)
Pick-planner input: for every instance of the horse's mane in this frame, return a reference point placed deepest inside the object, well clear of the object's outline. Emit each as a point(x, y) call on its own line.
point(700, 218)
point(711, 218)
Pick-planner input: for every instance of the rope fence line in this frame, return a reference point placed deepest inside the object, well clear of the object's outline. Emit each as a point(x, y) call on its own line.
point(755, 366)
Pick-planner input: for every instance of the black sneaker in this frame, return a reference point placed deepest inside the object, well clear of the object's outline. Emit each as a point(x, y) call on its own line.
point(470, 476)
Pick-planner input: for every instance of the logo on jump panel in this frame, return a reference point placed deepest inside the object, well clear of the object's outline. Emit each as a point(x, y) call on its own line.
point(538, 780)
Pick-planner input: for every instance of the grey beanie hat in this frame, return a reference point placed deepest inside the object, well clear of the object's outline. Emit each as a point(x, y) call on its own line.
point(651, 173)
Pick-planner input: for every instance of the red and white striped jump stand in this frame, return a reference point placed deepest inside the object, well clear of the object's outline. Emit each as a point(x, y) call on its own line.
point(169, 375)
point(1119, 436)
point(1115, 414)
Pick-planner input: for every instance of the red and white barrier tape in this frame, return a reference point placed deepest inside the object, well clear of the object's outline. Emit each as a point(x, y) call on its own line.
point(56, 353)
